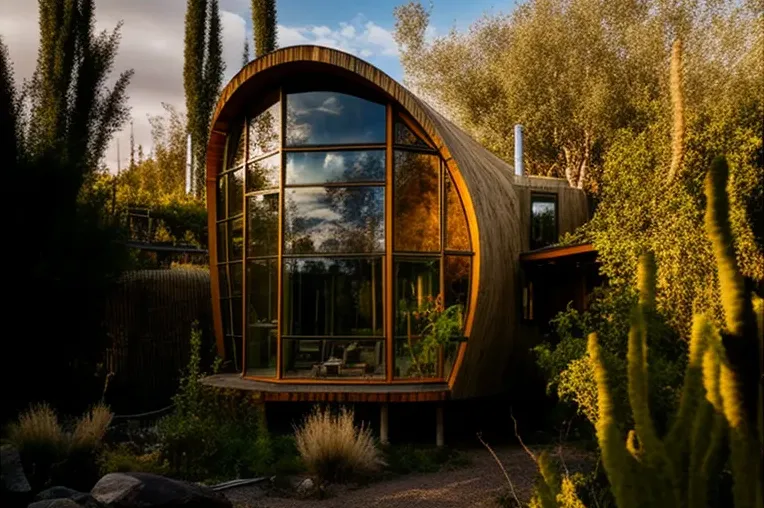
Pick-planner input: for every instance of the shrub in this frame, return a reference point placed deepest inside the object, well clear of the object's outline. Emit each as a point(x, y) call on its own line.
point(333, 448)
point(51, 454)
point(407, 459)
point(123, 459)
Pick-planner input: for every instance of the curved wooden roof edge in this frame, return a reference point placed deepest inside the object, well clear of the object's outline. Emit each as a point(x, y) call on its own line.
point(484, 182)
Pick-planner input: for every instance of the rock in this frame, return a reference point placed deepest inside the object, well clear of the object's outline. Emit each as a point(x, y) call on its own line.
point(146, 490)
point(305, 487)
point(54, 503)
point(83, 499)
point(12, 477)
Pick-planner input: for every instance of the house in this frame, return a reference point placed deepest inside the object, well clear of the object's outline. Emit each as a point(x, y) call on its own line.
point(339, 205)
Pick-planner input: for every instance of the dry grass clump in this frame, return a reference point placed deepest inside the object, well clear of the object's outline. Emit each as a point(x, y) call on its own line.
point(333, 448)
point(49, 452)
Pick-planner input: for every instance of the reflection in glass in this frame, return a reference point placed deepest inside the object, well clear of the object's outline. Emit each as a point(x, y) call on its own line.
point(417, 282)
point(334, 167)
point(543, 221)
point(336, 219)
point(325, 296)
point(261, 351)
point(235, 192)
point(404, 136)
point(221, 197)
point(264, 174)
point(235, 239)
point(237, 282)
point(225, 312)
point(262, 292)
point(236, 317)
point(264, 131)
point(222, 242)
point(456, 275)
point(236, 148)
point(450, 351)
point(457, 234)
point(417, 212)
point(263, 225)
point(322, 118)
point(223, 281)
point(334, 359)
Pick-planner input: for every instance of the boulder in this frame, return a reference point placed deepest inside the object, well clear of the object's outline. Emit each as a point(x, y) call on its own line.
point(15, 490)
point(83, 499)
point(146, 490)
point(55, 503)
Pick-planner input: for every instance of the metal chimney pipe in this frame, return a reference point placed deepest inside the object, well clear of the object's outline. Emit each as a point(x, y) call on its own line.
point(519, 150)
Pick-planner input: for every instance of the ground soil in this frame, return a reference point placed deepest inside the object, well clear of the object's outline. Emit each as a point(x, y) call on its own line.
point(475, 485)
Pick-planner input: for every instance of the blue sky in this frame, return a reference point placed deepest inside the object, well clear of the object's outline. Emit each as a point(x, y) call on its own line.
point(152, 41)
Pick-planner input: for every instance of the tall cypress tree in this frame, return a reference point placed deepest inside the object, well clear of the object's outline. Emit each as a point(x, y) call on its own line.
point(202, 77)
point(264, 26)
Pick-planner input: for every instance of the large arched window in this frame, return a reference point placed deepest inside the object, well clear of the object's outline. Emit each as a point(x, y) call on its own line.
point(337, 222)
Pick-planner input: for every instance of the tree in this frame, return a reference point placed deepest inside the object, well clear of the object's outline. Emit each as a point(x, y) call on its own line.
point(202, 78)
point(264, 26)
point(60, 125)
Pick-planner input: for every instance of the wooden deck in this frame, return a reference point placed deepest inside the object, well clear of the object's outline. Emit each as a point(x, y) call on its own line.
point(331, 392)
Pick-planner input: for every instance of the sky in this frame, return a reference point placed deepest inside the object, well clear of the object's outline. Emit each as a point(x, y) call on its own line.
point(152, 42)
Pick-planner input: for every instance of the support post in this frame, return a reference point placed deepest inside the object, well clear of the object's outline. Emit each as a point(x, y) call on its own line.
point(383, 420)
point(439, 440)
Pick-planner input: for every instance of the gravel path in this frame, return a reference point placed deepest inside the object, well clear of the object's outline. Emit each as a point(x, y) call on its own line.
point(475, 485)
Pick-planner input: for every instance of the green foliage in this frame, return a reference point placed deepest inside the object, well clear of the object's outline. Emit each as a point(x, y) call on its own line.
point(202, 78)
point(264, 26)
point(60, 125)
point(406, 459)
point(124, 458)
point(721, 396)
point(217, 434)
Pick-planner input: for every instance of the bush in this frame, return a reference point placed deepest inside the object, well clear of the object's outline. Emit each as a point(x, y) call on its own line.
point(334, 449)
point(52, 455)
point(407, 459)
point(124, 459)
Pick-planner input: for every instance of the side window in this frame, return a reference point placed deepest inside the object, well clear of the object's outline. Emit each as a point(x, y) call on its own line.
point(543, 220)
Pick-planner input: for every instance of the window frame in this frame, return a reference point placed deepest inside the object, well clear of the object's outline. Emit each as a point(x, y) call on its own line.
point(543, 197)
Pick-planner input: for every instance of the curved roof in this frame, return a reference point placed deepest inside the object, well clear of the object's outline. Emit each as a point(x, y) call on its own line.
point(484, 181)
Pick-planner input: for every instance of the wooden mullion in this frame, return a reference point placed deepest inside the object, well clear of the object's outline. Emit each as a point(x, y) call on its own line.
point(389, 285)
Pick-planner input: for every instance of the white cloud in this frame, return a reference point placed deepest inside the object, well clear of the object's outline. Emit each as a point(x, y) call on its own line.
point(359, 37)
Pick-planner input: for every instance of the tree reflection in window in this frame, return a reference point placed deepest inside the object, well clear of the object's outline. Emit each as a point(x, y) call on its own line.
point(264, 173)
point(543, 220)
point(457, 234)
point(417, 210)
point(333, 296)
point(404, 136)
point(335, 219)
point(236, 147)
point(264, 132)
point(335, 167)
point(331, 118)
point(263, 224)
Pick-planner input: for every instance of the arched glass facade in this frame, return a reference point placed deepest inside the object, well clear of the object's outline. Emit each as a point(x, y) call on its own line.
point(337, 224)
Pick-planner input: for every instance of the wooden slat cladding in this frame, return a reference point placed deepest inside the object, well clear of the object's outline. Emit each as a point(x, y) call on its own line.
point(486, 184)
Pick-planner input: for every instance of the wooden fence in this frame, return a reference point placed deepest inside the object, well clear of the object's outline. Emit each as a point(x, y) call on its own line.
point(149, 318)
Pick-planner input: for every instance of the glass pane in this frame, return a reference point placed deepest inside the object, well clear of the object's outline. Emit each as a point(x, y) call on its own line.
point(235, 192)
point(334, 167)
point(221, 196)
point(450, 351)
point(236, 147)
point(233, 350)
point(225, 313)
point(264, 174)
point(262, 292)
point(412, 360)
point(337, 219)
point(222, 242)
point(330, 118)
point(332, 359)
point(235, 238)
point(457, 234)
point(404, 136)
point(237, 282)
point(264, 131)
point(263, 232)
point(261, 351)
point(417, 284)
point(543, 221)
point(236, 318)
point(333, 297)
point(417, 213)
point(223, 281)
point(456, 275)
